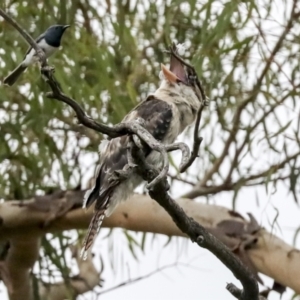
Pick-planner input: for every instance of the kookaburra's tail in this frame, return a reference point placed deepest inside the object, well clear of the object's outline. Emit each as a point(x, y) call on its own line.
point(93, 230)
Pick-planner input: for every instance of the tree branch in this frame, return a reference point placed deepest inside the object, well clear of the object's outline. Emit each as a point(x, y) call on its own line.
point(195, 231)
point(22, 255)
point(140, 213)
point(238, 293)
point(26, 36)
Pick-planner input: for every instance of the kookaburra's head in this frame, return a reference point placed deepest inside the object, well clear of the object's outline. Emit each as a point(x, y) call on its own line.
point(181, 77)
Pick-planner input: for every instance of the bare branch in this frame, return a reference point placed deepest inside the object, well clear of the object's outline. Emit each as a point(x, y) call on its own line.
point(22, 254)
point(197, 142)
point(131, 281)
point(26, 36)
point(195, 231)
point(238, 293)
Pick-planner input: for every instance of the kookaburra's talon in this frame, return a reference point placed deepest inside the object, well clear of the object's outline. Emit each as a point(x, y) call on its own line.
point(157, 122)
point(119, 175)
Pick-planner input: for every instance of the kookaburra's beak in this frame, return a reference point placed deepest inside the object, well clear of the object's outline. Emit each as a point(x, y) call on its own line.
point(176, 73)
point(170, 76)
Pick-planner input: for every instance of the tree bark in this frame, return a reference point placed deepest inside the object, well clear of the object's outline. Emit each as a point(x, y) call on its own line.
point(269, 254)
point(22, 254)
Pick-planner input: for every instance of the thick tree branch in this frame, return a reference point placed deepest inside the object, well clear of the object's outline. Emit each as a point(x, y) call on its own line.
point(195, 231)
point(22, 255)
point(238, 293)
point(140, 213)
point(204, 239)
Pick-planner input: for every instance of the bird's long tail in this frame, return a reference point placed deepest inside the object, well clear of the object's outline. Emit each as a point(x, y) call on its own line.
point(14, 75)
point(92, 232)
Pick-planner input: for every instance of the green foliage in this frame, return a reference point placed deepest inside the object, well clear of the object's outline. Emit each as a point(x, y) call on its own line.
point(110, 60)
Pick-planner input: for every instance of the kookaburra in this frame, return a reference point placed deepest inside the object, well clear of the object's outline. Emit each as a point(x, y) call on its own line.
point(166, 113)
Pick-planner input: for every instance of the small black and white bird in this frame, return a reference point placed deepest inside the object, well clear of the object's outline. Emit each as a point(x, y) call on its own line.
point(49, 41)
point(167, 112)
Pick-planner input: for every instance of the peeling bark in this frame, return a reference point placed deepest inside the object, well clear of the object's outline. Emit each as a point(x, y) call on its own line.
point(140, 213)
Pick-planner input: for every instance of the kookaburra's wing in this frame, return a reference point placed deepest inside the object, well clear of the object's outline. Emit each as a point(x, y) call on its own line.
point(167, 113)
point(157, 115)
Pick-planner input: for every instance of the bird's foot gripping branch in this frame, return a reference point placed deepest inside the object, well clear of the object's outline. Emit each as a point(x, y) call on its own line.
point(141, 141)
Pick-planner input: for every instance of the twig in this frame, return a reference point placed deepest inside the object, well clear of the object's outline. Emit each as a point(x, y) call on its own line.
point(174, 177)
point(131, 281)
point(195, 231)
point(26, 36)
point(197, 138)
point(238, 293)
point(233, 290)
point(197, 141)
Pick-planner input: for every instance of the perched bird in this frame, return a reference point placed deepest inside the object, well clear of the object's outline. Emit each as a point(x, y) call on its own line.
point(49, 41)
point(166, 113)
